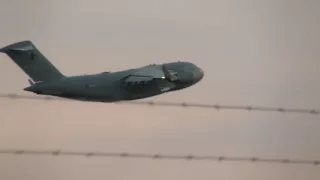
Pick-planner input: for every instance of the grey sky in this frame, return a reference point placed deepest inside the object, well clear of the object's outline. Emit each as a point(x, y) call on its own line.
point(262, 52)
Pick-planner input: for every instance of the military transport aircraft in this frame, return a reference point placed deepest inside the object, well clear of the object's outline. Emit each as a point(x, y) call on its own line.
point(131, 84)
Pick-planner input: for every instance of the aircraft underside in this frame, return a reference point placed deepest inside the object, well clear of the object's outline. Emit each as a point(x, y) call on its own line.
point(126, 91)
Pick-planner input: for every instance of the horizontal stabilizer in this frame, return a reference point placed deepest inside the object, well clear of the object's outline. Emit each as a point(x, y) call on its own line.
point(19, 46)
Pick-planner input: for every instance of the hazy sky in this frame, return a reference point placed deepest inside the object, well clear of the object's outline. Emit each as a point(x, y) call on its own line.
point(257, 52)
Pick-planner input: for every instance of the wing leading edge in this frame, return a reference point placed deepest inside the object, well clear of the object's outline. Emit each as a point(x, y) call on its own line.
point(144, 75)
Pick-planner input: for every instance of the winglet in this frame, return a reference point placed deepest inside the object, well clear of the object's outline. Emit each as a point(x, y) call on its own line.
point(30, 82)
point(168, 75)
point(166, 72)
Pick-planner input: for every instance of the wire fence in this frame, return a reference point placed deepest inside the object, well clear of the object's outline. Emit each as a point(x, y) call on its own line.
point(159, 156)
point(182, 104)
point(166, 156)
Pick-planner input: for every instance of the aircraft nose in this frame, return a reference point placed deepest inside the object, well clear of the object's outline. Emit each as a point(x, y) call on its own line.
point(201, 73)
point(198, 74)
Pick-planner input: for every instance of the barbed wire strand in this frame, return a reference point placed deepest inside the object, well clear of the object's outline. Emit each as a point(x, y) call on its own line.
point(176, 104)
point(158, 156)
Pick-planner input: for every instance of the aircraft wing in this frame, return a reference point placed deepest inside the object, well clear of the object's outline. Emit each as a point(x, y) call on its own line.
point(153, 71)
point(149, 73)
point(134, 79)
point(145, 74)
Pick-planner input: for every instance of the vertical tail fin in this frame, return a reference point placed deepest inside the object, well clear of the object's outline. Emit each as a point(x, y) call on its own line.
point(32, 61)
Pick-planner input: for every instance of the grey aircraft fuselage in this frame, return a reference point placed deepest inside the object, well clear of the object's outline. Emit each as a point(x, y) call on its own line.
point(123, 85)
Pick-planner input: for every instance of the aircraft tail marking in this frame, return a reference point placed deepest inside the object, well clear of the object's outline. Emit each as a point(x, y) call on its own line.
point(32, 61)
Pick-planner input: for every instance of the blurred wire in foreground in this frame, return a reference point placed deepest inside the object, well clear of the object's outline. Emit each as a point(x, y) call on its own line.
point(159, 156)
point(176, 104)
